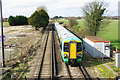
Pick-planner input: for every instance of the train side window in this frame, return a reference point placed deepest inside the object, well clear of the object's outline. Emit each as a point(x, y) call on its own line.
point(66, 47)
point(79, 47)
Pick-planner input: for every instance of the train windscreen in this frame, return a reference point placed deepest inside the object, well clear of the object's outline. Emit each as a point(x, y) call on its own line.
point(79, 47)
point(66, 47)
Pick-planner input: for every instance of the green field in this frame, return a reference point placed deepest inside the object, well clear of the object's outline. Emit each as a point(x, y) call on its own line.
point(5, 24)
point(108, 32)
point(80, 22)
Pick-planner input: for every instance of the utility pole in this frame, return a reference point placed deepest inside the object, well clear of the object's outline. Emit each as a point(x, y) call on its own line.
point(2, 39)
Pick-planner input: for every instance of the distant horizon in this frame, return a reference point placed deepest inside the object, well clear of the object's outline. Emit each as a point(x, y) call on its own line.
point(54, 8)
point(67, 16)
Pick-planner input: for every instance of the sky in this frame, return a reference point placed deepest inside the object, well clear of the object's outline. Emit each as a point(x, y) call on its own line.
point(54, 7)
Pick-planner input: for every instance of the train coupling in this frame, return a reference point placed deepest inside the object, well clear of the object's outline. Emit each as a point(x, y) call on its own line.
point(72, 61)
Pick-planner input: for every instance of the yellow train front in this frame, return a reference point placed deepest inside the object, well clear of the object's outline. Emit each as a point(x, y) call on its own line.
point(72, 51)
point(71, 47)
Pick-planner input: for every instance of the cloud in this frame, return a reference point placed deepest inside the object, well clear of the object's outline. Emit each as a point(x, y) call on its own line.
point(54, 7)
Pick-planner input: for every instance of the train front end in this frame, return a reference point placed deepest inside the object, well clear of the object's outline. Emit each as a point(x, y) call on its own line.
point(72, 51)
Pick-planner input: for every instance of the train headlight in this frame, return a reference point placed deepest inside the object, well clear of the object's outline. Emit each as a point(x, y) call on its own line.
point(79, 55)
point(65, 55)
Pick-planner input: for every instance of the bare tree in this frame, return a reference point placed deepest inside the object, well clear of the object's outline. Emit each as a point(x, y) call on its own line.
point(72, 21)
point(41, 7)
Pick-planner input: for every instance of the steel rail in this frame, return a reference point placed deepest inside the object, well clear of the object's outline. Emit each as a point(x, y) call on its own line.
point(68, 72)
point(52, 57)
point(40, 69)
point(54, 67)
point(84, 72)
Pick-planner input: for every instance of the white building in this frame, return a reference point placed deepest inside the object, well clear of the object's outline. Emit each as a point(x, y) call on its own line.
point(96, 47)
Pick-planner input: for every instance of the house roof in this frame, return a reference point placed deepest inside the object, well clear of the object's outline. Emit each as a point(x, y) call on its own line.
point(96, 39)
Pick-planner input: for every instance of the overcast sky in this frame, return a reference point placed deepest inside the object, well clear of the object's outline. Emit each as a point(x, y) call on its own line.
point(54, 7)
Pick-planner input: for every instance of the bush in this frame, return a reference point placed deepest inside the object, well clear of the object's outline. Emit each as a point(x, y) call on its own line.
point(39, 19)
point(80, 29)
point(11, 21)
point(72, 22)
point(18, 20)
point(21, 20)
point(34, 20)
point(75, 26)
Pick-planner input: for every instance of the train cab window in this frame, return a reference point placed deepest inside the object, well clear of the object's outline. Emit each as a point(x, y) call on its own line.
point(66, 47)
point(79, 47)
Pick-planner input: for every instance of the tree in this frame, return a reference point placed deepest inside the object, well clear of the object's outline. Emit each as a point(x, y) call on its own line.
point(93, 16)
point(11, 20)
point(60, 17)
point(34, 20)
point(21, 20)
point(44, 18)
point(72, 22)
point(39, 19)
point(41, 7)
point(18, 20)
point(78, 17)
point(56, 17)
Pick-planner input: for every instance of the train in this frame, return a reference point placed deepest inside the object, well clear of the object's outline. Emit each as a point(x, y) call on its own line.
point(71, 46)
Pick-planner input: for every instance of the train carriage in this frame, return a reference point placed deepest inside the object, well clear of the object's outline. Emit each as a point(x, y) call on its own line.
point(71, 47)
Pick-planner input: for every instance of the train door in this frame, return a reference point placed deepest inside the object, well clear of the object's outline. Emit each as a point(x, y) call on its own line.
point(73, 51)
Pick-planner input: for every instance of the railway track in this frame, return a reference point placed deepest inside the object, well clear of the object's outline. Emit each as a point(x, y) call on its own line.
point(68, 72)
point(48, 62)
point(48, 65)
point(75, 73)
point(84, 72)
point(53, 57)
point(43, 65)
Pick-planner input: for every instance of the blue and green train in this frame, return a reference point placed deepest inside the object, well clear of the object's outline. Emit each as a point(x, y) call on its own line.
point(71, 47)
